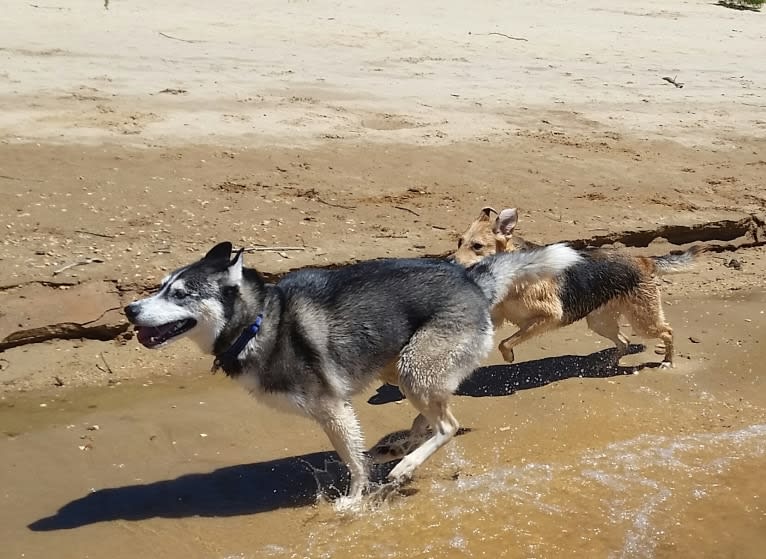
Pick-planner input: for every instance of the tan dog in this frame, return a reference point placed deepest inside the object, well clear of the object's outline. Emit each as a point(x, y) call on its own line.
point(605, 285)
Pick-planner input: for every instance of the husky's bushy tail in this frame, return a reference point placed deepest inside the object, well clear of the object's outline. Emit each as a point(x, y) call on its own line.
point(497, 273)
point(675, 263)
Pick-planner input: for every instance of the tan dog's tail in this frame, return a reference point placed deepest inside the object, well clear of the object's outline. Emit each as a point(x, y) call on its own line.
point(677, 262)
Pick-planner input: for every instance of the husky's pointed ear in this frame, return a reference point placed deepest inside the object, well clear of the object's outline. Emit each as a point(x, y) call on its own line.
point(221, 251)
point(506, 221)
point(485, 213)
point(235, 268)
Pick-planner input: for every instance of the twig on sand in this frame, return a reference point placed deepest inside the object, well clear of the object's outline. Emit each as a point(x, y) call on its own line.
point(48, 7)
point(108, 368)
point(511, 37)
point(272, 249)
point(104, 235)
point(413, 212)
point(10, 178)
point(100, 316)
point(179, 39)
point(318, 199)
point(78, 263)
point(679, 85)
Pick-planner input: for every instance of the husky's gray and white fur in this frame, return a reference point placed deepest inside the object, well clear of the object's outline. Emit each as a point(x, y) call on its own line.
point(326, 334)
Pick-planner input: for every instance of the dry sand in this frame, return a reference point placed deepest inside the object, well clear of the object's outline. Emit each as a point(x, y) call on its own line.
point(137, 134)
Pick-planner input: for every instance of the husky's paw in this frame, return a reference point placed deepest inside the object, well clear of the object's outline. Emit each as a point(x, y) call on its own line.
point(507, 353)
point(349, 504)
point(666, 365)
point(403, 471)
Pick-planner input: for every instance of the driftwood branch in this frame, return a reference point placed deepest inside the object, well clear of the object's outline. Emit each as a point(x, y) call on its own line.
point(63, 331)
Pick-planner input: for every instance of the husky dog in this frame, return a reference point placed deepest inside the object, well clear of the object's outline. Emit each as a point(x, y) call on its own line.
point(317, 337)
point(604, 285)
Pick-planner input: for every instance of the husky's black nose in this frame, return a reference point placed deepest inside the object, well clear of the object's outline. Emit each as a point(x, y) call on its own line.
point(131, 311)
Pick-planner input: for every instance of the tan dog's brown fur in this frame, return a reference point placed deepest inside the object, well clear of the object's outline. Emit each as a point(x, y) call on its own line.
point(536, 308)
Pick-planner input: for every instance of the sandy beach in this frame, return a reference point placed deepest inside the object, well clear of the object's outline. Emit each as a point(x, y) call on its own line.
point(134, 135)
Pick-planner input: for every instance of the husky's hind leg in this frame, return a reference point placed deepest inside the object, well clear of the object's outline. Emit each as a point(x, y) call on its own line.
point(431, 367)
point(444, 428)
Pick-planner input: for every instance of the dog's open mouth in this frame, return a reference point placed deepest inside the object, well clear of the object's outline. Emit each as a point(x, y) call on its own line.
point(152, 336)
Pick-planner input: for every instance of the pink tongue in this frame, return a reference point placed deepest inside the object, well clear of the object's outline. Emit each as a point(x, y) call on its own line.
point(146, 333)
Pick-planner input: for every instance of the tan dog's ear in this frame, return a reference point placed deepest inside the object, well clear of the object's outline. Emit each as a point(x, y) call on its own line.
point(506, 221)
point(485, 213)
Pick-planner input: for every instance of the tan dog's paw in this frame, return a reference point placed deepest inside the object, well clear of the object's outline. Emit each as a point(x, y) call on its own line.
point(507, 353)
point(383, 453)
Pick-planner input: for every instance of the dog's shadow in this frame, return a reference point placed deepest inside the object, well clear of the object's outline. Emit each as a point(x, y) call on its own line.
point(503, 380)
point(297, 481)
point(231, 491)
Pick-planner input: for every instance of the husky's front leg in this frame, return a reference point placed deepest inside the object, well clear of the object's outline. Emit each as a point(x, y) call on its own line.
point(341, 425)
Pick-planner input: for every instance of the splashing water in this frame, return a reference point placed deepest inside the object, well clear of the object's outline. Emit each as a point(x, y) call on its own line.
point(614, 501)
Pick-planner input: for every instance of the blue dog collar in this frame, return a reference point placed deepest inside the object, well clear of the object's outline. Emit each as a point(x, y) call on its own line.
point(228, 359)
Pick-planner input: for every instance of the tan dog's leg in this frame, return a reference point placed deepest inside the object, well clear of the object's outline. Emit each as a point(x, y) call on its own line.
point(395, 448)
point(530, 329)
point(605, 322)
point(646, 316)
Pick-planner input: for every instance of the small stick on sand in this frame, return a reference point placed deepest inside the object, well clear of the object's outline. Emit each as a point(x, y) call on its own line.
point(79, 263)
point(108, 368)
point(48, 7)
point(318, 199)
point(679, 85)
point(413, 212)
point(272, 249)
point(179, 39)
point(104, 235)
point(511, 37)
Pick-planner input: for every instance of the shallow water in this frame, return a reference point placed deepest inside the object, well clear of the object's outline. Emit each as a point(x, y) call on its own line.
point(620, 500)
point(656, 464)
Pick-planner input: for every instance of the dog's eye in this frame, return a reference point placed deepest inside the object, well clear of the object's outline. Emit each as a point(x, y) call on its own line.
point(180, 294)
point(477, 246)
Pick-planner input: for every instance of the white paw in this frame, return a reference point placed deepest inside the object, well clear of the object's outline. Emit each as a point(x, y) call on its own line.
point(403, 471)
point(666, 365)
point(348, 504)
